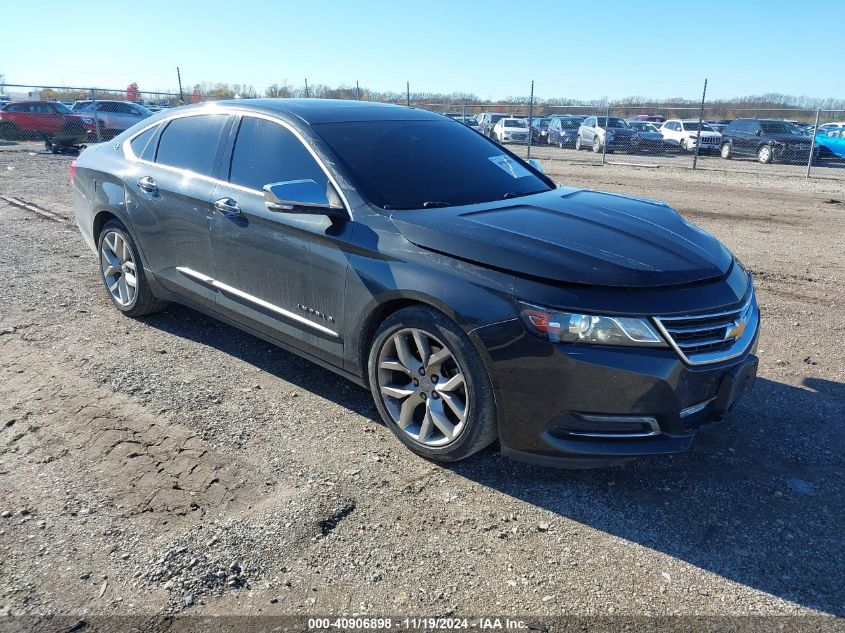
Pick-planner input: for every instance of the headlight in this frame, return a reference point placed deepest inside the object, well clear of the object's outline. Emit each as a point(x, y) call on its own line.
point(87, 119)
point(570, 327)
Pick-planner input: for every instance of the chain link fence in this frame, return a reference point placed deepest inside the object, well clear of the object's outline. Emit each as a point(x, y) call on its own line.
point(733, 136)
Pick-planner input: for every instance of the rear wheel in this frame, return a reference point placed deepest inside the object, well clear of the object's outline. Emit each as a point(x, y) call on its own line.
point(596, 144)
point(726, 151)
point(123, 274)
point(430, 385)
point(764, 154)
point(578, 143)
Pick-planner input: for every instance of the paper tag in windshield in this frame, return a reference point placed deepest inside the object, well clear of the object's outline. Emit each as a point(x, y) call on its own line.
point(510, 166)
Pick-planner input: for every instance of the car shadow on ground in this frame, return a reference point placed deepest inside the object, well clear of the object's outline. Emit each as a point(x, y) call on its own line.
point(758, 500)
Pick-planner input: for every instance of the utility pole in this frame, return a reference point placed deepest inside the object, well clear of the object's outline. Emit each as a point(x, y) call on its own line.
point(408, 92)
point(357, 92)
point(700, 121)
point(179, 77)
point(306, 87)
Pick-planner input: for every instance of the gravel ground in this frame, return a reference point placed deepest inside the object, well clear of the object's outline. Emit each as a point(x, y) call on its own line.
point(174, 464)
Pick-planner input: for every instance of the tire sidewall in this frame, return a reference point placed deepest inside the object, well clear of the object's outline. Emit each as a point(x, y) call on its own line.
point(482, 410)
point(726, 151)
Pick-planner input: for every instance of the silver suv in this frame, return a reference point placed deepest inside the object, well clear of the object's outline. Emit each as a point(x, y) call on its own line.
point(113, 116)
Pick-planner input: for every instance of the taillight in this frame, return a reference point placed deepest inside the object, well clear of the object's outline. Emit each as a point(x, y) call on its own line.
point(72, 171)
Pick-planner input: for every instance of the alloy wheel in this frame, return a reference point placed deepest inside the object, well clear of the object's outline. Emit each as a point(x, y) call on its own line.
point(422, 387)
point(118, 264)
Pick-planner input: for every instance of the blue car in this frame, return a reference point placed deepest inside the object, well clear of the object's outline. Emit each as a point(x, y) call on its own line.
point(831, 140)
point(563, 130)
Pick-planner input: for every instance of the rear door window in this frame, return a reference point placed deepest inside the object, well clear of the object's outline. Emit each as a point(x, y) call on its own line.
point(266, 152)
point(192, 142)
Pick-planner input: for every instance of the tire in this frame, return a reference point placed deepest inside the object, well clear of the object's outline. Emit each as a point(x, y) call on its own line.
point(117, 249)
point(596, 144)
point(684, 145)
point(726, 151)
point(560, 142)
point(478, 427)
point(765, 154)
point(578, 143)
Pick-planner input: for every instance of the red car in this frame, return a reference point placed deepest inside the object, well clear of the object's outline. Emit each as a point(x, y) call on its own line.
point(30, 119)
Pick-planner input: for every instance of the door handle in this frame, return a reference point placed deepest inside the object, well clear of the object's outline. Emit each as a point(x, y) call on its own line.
point(148, 184)
point(228, 207)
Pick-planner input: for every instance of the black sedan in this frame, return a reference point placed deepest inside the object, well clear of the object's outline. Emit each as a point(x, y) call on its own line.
point(475, 299)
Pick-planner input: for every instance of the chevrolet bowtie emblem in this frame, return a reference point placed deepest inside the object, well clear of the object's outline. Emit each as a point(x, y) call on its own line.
point(736, 329)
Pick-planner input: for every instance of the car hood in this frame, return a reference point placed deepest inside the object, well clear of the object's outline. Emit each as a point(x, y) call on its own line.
point(573, 236)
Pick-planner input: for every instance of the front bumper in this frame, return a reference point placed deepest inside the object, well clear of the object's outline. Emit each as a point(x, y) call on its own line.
point(586, 405)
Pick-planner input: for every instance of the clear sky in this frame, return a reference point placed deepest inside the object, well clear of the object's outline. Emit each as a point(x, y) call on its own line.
point(492, 48)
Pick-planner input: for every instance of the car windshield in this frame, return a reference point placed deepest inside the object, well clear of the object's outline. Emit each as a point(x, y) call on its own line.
point(418, 164)
point(570, 124)
point(61, 107)
point(541, 123)
point(614, 122)
point(643, 126)
point(515, 123)
point(780, 127)
point(692, 126)
point(495, 118)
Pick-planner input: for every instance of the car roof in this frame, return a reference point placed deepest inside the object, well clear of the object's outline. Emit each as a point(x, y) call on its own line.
point(313, 111)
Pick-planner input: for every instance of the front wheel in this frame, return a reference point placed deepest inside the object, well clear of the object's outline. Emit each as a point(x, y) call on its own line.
point(726, 151)
point(578, 143)
point(596, 144)
point(764, 154)
point(123, 274)
point(430, 385)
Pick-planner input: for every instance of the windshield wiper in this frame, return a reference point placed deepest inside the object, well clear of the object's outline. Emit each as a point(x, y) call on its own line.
point(425, 205)
point(519, 194)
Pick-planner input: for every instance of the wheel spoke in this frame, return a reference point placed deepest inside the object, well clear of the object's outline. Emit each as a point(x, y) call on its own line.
point(450, 385)
point(438, 358)
point(423, 346)
point(397, 391)
point(438, 416)
point(111, 270)
point(131, 281)
point(455, 404)
point(425, 427)
point(393, 365)
point(123, 289)
point(403, 351)
point(406, 412)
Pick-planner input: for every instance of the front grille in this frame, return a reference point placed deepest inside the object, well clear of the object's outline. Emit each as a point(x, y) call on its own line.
point(710, 338)
point(709, 140)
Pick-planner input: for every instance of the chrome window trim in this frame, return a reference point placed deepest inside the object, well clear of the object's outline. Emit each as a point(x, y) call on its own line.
point(740, 345)
point(219, 285)
point(130, 155)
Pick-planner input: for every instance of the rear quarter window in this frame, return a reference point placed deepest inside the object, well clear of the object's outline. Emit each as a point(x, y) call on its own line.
point(141, 145)
point(192, 142)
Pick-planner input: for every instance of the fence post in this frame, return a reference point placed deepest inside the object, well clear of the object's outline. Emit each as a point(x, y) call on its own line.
point(96, 118)
point(306, 87)
point(700, 121)
point(530, 117)
point(357, 92)
point(408, 93)
point(813, 143)
point(606, 134)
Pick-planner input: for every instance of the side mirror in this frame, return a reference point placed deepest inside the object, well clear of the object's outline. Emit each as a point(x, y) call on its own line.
point(536, 165)
point(303, 196)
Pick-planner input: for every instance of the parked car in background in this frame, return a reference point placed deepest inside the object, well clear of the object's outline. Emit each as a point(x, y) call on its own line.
point(113, 116)
point(540, 129)
point(718, 127)
point(469, 121)
point(684, 133)
point(595, 131)
point(563, 131)
point(510, 130)
point(486, 121)
point(650, 137)
point(21, 120)
point(475, 300)
point(830, 140)
point(769, 140)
